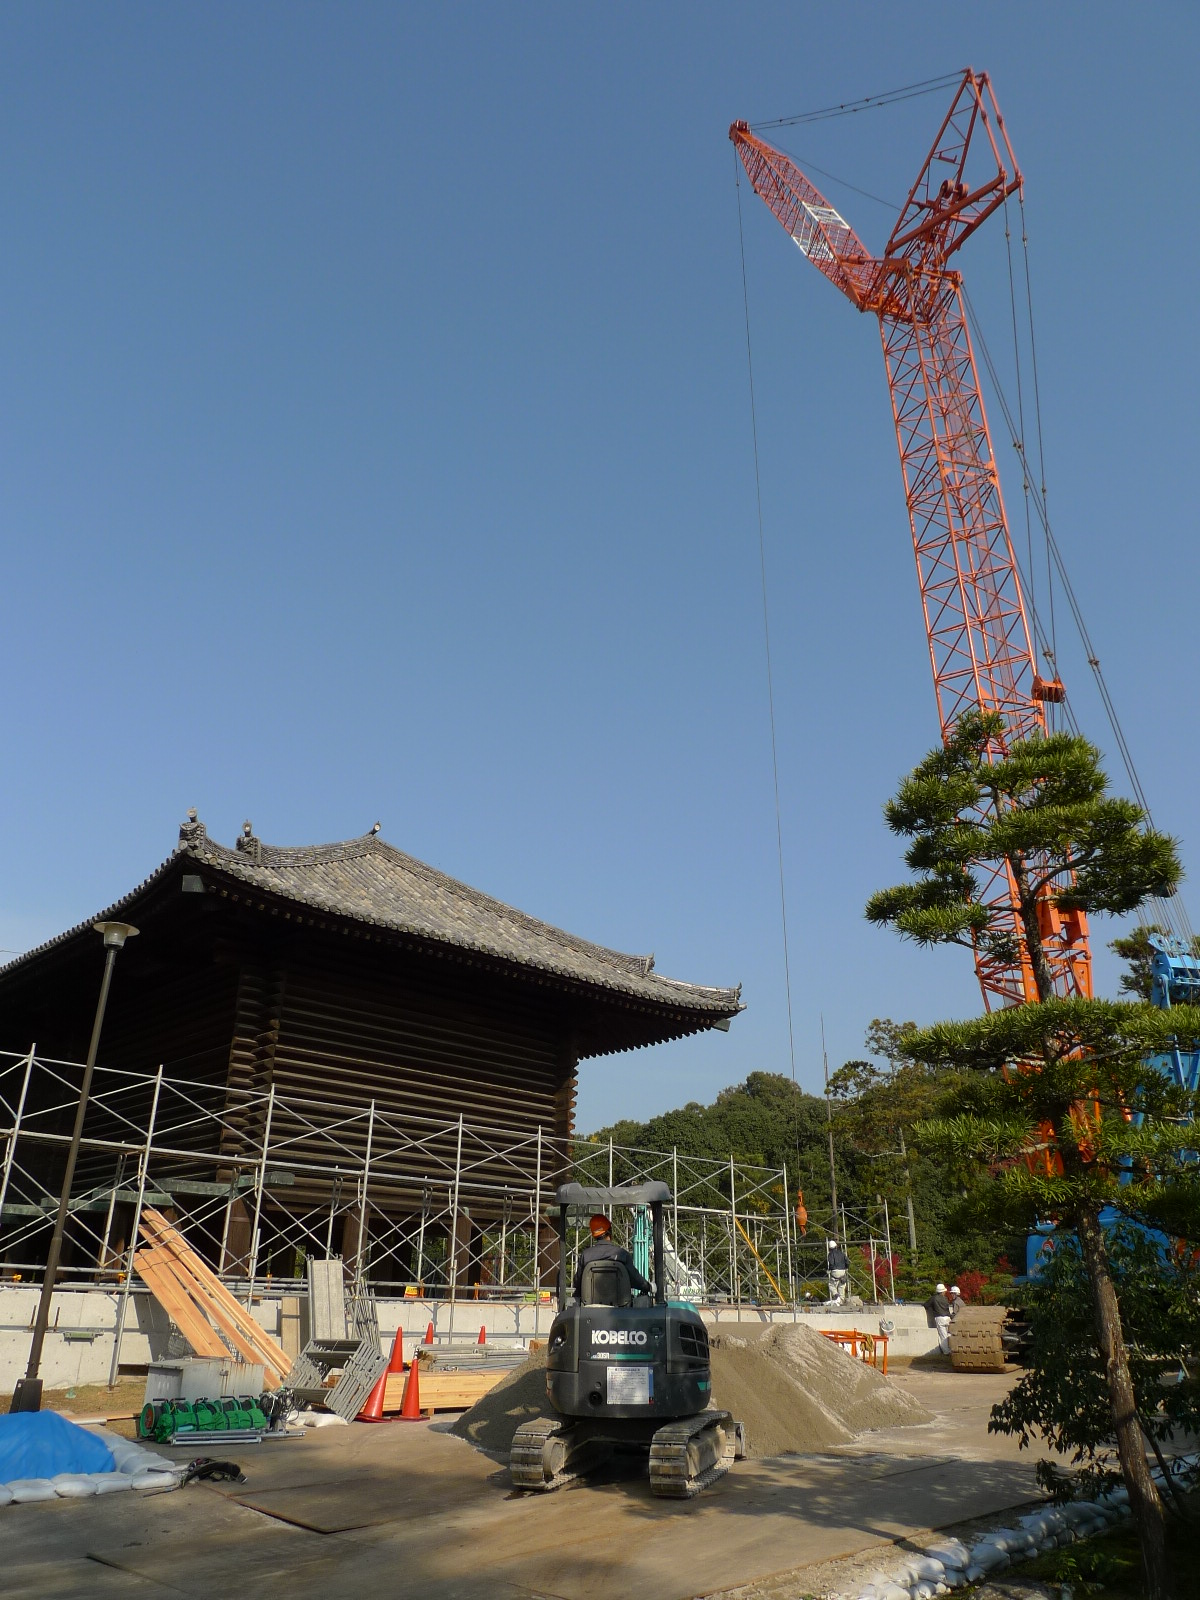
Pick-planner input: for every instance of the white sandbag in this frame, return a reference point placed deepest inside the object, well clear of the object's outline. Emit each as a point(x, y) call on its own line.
point(5, 1495)
point(895, 1592)
point(922, 1591)
point(955, 1577)
point(73, 1485)
point(25, 1491)
point(320, 1419)
point(975, 1574)
point(990, 1553)
point(950, 1552)
point(154, 1479)
point(927, 1568)
point(111, 1482)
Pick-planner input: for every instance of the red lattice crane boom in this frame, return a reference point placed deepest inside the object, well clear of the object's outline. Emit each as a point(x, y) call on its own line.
point(979, 640)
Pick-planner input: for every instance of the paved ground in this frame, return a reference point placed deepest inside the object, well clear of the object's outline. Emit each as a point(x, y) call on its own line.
point(406, 1510)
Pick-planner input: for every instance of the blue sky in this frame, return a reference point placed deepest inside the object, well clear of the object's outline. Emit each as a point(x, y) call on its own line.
point(375, 444)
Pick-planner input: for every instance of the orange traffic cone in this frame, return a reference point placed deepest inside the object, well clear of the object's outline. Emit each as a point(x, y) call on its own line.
point(372, 1411)
point(429, 1334)
point(396, 1363)
point(410, 1406)
point(482, 1339)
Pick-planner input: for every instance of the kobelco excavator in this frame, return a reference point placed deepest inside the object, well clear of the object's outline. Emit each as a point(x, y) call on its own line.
point(625, 1371)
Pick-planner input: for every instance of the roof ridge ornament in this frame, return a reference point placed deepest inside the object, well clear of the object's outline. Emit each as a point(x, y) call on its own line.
point(192, 830)
point(248, 845)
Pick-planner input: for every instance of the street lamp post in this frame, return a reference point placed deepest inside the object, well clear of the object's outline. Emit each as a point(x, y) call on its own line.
point(28, 1394)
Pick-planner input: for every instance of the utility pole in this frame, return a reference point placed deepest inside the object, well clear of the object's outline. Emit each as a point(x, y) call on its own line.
point(28, 1394)
point(829, 1125)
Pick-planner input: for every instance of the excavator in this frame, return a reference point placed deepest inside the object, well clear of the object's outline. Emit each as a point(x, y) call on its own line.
point(625, 1373)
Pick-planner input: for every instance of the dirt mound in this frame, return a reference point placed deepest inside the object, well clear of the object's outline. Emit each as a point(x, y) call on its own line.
point(794, 1390)
point(517, 1398)
point(797, 1391)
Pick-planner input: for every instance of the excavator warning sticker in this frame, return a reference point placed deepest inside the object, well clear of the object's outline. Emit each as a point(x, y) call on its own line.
point(630, 1386)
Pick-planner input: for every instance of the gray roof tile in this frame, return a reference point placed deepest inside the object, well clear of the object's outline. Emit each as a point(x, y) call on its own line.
point(371, 882)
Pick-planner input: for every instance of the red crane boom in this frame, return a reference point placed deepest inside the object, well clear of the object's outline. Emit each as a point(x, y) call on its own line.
point(979, 640)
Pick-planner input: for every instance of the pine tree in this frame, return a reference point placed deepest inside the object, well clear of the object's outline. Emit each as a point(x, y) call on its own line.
point(1059, 1114)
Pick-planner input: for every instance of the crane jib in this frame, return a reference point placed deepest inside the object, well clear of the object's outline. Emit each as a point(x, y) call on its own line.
point(977, 628)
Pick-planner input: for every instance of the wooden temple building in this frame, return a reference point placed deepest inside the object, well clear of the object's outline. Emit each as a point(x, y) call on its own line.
point(340, 975)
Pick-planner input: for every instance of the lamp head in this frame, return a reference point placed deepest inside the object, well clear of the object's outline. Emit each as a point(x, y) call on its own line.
point(115, 933)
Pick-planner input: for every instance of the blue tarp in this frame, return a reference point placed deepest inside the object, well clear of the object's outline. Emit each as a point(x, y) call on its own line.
point(40, 1444)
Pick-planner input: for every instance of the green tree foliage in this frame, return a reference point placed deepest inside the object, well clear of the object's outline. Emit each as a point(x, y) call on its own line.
point(1063, 1395)
point(1043, 809)
point(1041, 1124)
point(765, 1121)
point(879, 1103)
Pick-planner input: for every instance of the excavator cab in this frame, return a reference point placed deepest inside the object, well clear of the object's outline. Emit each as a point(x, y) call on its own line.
point(625, 1370)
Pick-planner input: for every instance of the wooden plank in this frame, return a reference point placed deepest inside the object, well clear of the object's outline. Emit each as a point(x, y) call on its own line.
point(260, 1350)
point(441, 1391)
point(179, 1307)
point(204, 1285)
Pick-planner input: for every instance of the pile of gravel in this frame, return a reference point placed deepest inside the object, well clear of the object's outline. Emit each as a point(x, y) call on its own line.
point(794, 1390)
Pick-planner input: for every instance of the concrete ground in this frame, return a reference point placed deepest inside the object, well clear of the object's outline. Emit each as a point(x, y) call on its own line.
point(407, 1510)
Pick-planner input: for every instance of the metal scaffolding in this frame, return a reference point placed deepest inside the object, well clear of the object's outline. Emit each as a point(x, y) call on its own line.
point(426, 1207)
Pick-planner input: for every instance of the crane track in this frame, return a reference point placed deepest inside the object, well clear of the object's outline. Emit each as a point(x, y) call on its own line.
point(542, 1457)
point(689, 1455)
point(686, 1456)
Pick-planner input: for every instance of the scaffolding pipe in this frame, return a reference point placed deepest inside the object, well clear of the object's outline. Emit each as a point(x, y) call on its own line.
point(143, 1171)
point(10, 1148)
point(258, 1194)
point(454, 1226)
point(359, 1271)
point(537, 1229)
point(787, 1229)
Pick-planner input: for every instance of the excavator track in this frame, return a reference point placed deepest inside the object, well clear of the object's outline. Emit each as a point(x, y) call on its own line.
point(544, 1455)
point(688, 1455)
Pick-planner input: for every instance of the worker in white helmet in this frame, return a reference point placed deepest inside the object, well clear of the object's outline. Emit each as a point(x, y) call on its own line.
point(938, 1307)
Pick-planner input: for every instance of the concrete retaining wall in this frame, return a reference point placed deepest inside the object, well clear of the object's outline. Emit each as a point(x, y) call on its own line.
point(79, 1345)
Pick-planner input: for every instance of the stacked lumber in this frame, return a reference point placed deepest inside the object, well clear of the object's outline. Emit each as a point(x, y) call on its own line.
point(200, 1305)
point(441, 1391)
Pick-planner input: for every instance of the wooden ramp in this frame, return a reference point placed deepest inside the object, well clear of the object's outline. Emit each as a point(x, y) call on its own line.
point(200, 1305)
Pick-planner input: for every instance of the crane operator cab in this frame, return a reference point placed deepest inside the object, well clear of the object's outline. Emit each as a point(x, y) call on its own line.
point(625, 1368)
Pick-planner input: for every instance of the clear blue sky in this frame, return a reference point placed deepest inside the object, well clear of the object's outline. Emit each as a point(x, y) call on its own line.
point(376, 444)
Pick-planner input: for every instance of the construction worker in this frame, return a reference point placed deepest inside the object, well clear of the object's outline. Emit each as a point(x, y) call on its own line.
point(602, 1248)
point(837, 1270)
point(954, 1294)
point(938, 1307)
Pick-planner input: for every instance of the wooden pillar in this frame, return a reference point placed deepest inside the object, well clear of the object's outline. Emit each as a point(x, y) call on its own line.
point(235, 1258)
point(350, 1238)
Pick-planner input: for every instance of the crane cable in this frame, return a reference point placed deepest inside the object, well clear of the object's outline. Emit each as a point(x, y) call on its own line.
point(1173, 916)
point(870, 102)
point(762, 567)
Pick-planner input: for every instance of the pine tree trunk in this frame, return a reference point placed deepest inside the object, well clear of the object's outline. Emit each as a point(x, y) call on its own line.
point(1144, 1499)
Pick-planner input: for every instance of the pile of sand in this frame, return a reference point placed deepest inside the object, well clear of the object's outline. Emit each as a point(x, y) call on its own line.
point(517, 1398)
point(797, 1391)
point(794, 1390)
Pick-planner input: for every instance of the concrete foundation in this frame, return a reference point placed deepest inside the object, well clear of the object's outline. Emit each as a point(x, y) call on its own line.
point(79, 1344)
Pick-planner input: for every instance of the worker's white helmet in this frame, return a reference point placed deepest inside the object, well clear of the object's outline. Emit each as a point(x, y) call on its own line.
point(956, 1290)
point(941, 1289)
